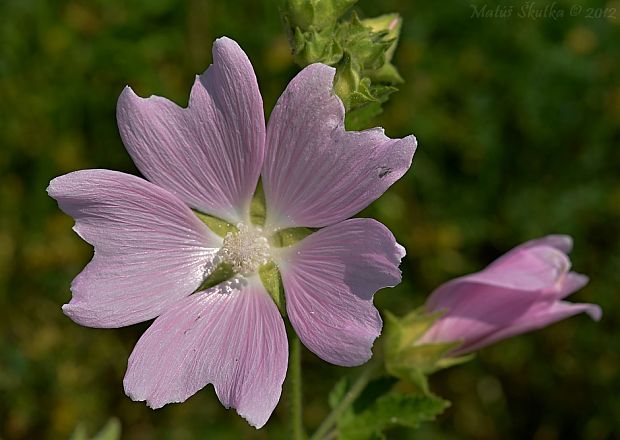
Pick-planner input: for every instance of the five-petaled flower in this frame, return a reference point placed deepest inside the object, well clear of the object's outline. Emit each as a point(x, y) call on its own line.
point(152, 252)
point(519, 292)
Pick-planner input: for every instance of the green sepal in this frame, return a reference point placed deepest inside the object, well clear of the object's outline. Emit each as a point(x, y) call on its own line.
point(361, 98)
point(272, 281)
point(289, 236)
point(221, 273)
point(314, 46)
point(447, 362)
point(390, 25)
point(360, 49)
point(317, 13)
point(410, 361)
point(217, 225)
point(258, 206)
point(401, 333)
point(387, 74)
point(366, 46)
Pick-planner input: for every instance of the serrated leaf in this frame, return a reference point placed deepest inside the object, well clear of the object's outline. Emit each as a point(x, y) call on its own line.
point(390, 410)
point(272, 281)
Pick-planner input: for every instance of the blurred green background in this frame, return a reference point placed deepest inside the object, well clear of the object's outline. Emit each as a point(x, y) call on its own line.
point(518, 122)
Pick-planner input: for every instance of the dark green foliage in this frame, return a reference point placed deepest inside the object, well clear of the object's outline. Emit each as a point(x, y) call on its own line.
point(518, 122)
point(381, 407)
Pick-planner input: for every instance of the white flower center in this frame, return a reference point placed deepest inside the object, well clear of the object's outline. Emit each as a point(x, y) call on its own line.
point(245, 250)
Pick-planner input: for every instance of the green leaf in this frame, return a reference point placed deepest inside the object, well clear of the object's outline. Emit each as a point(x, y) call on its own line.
point(217, 225)
point(272, 281)
point(375, 388)
point(390, 410)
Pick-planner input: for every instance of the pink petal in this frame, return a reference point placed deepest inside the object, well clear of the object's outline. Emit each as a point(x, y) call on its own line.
point(571, 283)
point(562, 243)
point(475, 310)
point(231, 335)
point(316, 173)
point(330, 278)
point(530, 269)
point(150, 249)
point(540, 315)
point(209, 154)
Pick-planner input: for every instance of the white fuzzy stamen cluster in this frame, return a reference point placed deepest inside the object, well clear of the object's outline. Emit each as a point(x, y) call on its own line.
point(245, 250)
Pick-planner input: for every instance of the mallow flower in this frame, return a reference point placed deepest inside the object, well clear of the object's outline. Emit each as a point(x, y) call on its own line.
point(521, 291)
point(152, 252)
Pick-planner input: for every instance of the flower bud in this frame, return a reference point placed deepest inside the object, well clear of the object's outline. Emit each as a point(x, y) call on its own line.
point(521, 291)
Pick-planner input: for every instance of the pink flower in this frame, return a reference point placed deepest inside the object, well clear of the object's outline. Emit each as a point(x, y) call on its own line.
point(152, 252)
point(517, 293)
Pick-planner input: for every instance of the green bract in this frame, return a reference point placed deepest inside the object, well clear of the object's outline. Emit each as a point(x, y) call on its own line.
point(321, 31)
point(406, 359)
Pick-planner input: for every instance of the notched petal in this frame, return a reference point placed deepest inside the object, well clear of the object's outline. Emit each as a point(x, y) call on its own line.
point(315, 172)
point(231, 336)
point(210, 153)
point(330, 278)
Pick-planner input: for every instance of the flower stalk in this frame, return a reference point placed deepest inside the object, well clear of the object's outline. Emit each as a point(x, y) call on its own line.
point(295, 387)
point(324, 430)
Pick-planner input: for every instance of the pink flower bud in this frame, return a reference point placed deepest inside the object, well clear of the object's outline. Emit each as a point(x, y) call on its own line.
point(521, 291)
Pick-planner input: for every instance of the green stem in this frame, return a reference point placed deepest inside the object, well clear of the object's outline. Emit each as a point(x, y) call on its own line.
point(353, 393)
point(294, 388)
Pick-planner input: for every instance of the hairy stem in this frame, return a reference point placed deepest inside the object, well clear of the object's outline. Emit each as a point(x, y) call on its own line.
point(323, 431)
point(295, 389)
